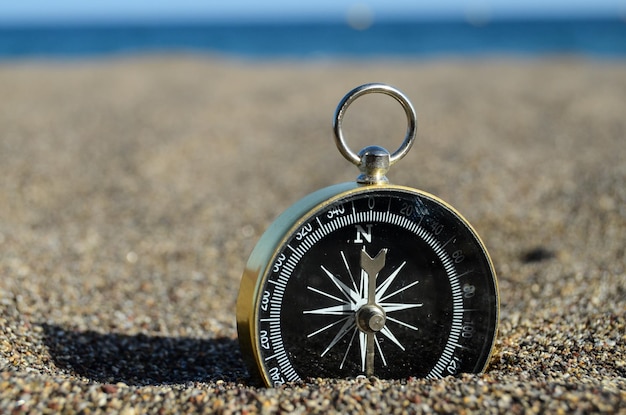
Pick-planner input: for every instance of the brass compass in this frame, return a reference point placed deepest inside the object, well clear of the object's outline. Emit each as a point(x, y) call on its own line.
point(368, 278)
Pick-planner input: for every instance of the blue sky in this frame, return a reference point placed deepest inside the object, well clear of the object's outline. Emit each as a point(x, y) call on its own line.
point(17, 11)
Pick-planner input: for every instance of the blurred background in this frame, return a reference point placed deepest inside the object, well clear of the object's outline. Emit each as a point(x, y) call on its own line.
point(313, 30)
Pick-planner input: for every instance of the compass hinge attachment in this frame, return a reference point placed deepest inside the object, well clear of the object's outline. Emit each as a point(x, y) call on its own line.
point(374, 165)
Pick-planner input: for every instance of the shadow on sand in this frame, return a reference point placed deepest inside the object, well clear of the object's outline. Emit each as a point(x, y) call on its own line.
point(144, 360)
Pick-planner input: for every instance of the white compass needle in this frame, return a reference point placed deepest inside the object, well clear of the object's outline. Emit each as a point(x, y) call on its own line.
point(363, 348)
point(350, 294)
point(391, 307)
point(382, 289)
point(347, 326)
point(391, 337)
point(345, 261)
point(363, 286)
point(382, 356)
point(328, 326)
point(345, 355)
point(406, 287)
point(325, 294)
point(334, 310)
point(402, 323)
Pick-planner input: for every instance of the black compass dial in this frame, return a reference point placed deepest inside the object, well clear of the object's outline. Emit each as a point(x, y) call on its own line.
point(388, 282)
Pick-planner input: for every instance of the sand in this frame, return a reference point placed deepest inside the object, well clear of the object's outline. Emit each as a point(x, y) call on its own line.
point(132, 191)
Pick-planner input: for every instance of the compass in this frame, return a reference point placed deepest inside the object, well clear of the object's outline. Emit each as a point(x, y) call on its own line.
point(368, 278)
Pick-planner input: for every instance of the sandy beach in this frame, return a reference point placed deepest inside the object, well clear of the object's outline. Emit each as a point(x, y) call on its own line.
point(132, 191)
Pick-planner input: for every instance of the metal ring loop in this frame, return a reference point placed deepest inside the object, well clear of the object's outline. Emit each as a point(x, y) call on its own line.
point(404, 148)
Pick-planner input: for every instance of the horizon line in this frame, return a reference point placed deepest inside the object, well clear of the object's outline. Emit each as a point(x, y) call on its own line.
point(148, 21)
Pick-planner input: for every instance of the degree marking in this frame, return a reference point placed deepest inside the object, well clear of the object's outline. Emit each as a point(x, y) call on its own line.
point(449, 240)
point(420, 222)
point(460, 346)
point(465, 273)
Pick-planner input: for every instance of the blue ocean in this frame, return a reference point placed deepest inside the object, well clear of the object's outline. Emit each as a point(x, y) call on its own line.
point(597, 38)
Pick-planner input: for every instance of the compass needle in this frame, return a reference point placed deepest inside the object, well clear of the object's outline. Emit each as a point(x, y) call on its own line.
point(391, 307)
point(350, 294)
point(368, 277)
point(363, 349)
point(380, 351)
point(391, 337)
point(363, 286)
point(380, 291)
point(396, 292)
point(402, 323)
point(347, 326)
point(345, 355)
point(336, 310)
point(327, 327)
point(315, 290)
point(345, 261)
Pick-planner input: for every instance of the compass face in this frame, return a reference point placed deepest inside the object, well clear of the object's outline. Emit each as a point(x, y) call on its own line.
point(383, 281)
